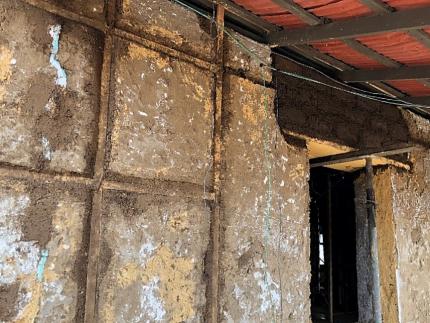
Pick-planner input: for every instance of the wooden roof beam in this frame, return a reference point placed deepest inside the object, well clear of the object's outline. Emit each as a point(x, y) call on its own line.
point(399, 73)
point(421, 100)
point(397, 21)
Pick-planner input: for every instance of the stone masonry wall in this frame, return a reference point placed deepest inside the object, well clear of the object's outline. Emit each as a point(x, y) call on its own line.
point(106, 171)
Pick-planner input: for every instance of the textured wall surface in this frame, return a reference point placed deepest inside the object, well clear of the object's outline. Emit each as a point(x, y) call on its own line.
point(42, 252)
point(168, 23)
point(152, 262)
point(266, 224)
point(411, 213)
point(162, 116)
point(328, 114)
point(45, 124)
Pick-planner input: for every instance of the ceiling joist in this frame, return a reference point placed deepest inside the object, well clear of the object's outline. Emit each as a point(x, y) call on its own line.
point(399, 73)
point(397, 21)
point(421, 100)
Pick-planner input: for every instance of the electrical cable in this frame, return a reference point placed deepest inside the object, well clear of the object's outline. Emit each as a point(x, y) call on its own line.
point(379, 97)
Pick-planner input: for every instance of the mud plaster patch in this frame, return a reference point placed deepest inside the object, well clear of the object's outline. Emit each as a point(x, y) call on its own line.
point(6, 60)
point(139, 53)
point(167, 276)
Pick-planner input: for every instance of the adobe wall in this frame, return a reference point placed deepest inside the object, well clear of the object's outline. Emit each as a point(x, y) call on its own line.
point(107, 199)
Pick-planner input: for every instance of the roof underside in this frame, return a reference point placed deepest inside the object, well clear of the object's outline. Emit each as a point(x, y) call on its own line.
point(405, 47)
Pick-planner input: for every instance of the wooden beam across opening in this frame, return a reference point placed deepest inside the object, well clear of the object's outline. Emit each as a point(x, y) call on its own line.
point(362, 154)
point(399, 73)
point(362, 26)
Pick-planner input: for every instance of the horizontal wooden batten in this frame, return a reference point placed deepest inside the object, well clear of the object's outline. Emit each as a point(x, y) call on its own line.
point(361, 154)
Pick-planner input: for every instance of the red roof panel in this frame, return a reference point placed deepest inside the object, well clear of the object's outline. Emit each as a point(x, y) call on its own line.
point(411, 87)
point(407, 4)
point(398, 46)
point(343, 52)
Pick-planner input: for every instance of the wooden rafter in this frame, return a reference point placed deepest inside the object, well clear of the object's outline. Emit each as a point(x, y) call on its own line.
point(399, 73)
point(398, 21)
point(421, 100)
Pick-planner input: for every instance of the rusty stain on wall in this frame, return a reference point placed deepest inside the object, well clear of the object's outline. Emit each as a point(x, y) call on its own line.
point(6, 63)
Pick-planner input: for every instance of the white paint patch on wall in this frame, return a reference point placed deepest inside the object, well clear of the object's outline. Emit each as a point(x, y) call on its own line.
point(270, 292)
point(54, 32)
point(24, 254)
point(46, 148)
point(151, 304)
point(398, 286)
point(25, 260)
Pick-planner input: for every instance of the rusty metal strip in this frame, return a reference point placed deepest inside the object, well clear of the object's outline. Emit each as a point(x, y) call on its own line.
point(27, 174)
point(214, 281)
point(164, 49)
point(96, 214)
point(59, 11)
point(144, 188)
point(93, 258)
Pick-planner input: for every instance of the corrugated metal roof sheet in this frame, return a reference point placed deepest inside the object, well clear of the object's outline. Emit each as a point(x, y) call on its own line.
point(398, 46)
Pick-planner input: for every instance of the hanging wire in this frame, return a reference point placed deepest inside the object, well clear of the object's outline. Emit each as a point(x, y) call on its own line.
point(379, 97)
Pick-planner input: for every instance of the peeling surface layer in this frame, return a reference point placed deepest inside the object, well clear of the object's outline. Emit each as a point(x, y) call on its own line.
point(161, 126)
point(37, 111)
point(152, 259)
point(259, 283)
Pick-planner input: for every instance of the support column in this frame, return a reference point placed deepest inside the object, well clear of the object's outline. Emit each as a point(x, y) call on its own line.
point(373, 242)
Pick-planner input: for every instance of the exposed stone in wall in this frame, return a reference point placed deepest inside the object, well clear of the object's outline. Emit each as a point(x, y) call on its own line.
point(47, 119)
point(265, 259)
point(252, 62)
point(43, 235)
point(153, 251)
point(162, 117)
point(411, 213)
point(168, 23)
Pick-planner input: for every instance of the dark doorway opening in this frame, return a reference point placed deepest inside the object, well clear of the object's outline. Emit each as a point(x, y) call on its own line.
point(333, 246)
